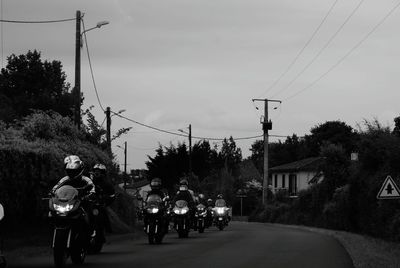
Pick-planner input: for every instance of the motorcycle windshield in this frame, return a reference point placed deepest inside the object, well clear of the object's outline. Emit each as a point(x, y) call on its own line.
point(153, 199)
point(181, 204)
point(66, 193)
point(220, 203)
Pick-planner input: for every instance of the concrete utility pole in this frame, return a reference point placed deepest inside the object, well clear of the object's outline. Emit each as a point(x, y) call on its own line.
point(108, 134)
point(266, 125)
point(77, 88)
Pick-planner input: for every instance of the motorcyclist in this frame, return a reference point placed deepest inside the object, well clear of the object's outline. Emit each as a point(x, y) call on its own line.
point(202, 199)
point(220, 201)
point(104, 190)
point(156, 189)
point(185, 194)
point(74, 168)
point(155, 185)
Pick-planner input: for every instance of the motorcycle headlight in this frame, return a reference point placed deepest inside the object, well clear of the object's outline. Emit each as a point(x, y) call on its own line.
point(180, 211)
point(63, 208)
point(152, 210)
point(220, 211)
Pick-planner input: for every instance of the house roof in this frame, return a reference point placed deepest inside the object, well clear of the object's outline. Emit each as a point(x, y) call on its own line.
point(307, 164)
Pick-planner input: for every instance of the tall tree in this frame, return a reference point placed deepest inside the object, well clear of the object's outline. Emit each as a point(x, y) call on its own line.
point(27, 83)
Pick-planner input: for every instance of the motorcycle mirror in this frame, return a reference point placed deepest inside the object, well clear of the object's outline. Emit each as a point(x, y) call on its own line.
point(1, 212)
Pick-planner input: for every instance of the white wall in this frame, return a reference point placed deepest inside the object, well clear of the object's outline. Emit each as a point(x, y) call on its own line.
point(303, 179)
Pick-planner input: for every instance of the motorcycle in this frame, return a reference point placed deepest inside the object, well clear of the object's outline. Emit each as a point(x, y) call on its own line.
point(200, 217)
point(100, 217)
point(3, 262)
point(155, 219)
point(209, 217)
point(221, 217)
point(181, 215)
point(71, 233)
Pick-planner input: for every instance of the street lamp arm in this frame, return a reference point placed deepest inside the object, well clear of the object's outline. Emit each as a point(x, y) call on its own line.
point(98, 25)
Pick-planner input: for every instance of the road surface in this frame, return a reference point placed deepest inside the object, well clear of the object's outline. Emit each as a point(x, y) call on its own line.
point(241, 244)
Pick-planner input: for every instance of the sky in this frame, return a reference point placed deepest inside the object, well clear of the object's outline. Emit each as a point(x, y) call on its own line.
point(171, 63)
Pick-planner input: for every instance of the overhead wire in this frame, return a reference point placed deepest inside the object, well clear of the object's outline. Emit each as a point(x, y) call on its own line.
point(362, 40)
point(179, 134)
point(289, 67)
point(321, 50)
point(91, 68)
point(37, 21)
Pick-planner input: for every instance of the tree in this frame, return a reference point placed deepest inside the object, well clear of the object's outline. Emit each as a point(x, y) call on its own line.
point(333, 132)
point(396, 130)
point(29, 83)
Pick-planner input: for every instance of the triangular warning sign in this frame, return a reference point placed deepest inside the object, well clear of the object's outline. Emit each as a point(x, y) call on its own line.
point(389, 190)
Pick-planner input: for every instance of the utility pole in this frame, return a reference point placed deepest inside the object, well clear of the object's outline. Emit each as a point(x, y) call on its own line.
point(77, 88)
point(108, 135)
point(125, 174)
point(266, 125)
point(190, 150)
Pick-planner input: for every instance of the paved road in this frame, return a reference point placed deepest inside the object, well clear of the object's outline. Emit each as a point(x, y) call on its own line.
point(240, 245)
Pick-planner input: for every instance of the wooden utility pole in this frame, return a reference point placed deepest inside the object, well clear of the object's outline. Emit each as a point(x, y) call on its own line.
point(108, 134)
point(266, 125)
point(125, 174)
point(77, 88)
point(190, 150)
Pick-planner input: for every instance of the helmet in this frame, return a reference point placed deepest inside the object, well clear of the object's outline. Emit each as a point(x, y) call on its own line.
point(100, 167)
point(155, 183)
point(209, 201)
point(183, 182)
point(73, 166)
point(201, 196)
point(219, 196)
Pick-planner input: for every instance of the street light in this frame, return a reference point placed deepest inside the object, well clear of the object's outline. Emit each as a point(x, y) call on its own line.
point(78, 44)
point(125, 174)
point(98, 25)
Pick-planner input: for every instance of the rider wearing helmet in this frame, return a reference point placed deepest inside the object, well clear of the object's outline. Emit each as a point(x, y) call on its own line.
point(202, 199)
point(104, 187)
point(74, 168)
point(155, 185)
point(220, 202)
point(184, 193)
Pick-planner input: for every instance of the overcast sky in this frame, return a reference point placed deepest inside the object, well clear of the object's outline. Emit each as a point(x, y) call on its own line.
point(171, 63)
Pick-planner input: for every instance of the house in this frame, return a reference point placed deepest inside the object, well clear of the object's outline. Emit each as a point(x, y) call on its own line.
point(296, 176)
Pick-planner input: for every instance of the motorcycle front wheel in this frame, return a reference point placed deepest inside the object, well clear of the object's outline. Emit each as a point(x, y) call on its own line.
point(60, 257)
point(78, 254)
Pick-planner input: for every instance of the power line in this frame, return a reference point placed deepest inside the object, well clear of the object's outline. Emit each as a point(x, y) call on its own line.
point(322, 49)
point(37, 21)
point(179, 134)
point(302, 49)
point(91, 69)
point(348, 53)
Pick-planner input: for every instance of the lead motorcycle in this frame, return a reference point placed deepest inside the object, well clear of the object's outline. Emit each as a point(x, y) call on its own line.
point(71, 235)
point(201, 217)
point(3, 262)
point(155, 219)
point(181, 215)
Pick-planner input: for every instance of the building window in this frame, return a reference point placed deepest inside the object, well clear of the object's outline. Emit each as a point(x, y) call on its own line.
point(283, 181)
point(276, 181)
